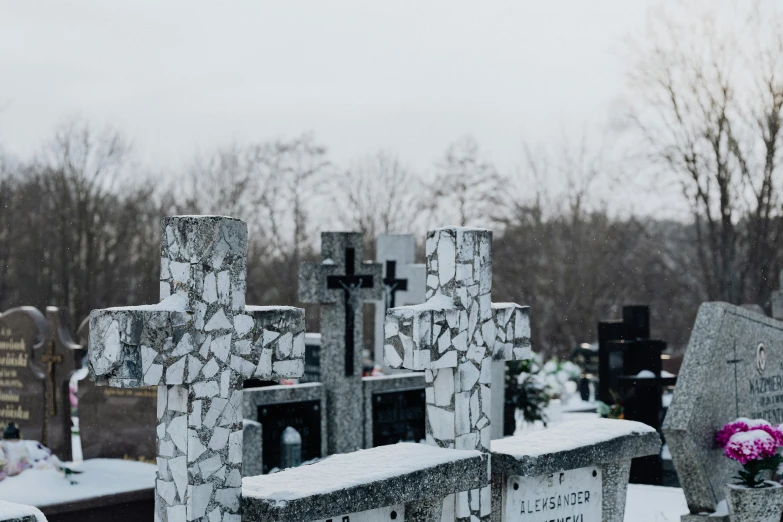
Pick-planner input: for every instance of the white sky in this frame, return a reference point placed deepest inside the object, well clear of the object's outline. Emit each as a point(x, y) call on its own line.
point(406, 76)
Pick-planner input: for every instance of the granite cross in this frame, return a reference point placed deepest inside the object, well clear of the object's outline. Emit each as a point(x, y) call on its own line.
point(198, 345)
point(340, 284)
point(454, 337)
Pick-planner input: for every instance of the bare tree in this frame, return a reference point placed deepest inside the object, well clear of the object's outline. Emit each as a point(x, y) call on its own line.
point(468, 187)
point(379, 195)
point(710, 95)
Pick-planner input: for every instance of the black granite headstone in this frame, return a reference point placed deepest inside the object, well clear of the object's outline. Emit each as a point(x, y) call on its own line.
point(303, 416)
point(312, 371)
point(398, 416)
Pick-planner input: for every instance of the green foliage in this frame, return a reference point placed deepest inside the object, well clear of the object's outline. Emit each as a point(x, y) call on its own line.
point(751, 476)
point(525, 390)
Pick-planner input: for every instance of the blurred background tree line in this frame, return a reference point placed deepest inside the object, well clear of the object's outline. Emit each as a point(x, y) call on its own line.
point(79, 224)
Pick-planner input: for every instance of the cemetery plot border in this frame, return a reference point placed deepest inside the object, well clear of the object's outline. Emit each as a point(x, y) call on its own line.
point(603, 443)
point(348, 483)
point(383, 384)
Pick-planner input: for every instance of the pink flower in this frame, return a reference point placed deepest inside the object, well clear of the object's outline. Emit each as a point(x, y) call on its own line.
point(750, 445)
point(738, 426)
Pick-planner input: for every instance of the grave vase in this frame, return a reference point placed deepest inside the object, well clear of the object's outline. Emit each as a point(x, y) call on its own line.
point(755, 504)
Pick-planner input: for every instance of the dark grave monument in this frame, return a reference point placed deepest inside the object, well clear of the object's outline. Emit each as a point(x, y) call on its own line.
point(116, 422)
point(341, 283)
point(304, 417)
point(22, 372)
point(312, 372)
point(394, 409)
point(635, 324)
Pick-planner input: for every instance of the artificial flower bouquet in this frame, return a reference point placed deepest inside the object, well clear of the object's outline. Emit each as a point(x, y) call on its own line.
point(754, 444)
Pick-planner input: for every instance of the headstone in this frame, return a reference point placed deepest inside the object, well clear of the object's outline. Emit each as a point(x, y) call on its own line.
point(60, 360)
point(394, 409)
point(454, 337)
point(10, 512)
point(399, 482)
point(252, 446)
point(403, 282)
point(576, 471)
point(753, 307)
point(22, 374)
point(198, 346)
point(312, 372)
point(116, 422)
point(341, 283)
point(301, 406)
point(777, 301)
point(635, 324)
point(733, 368)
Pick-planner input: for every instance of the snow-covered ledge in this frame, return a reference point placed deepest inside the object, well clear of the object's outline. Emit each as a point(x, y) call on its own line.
point(398, 482)
point(19, 513)
point(579, 467)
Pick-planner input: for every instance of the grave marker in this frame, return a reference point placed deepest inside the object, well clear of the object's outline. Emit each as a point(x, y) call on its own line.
point(403, 282)
point(777, 300)
point(60, 360)
point(341, 284)
point(22, 374)
point(454, 337)
point(198, 345)
point(394, 409)
point(732, 368)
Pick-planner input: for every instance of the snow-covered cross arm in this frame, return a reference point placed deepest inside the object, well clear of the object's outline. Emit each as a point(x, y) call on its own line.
point(197, 346)
point(454, 337)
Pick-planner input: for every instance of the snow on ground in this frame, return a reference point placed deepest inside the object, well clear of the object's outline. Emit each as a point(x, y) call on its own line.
point(43, 487)
point(9, 511)
point(654, 504)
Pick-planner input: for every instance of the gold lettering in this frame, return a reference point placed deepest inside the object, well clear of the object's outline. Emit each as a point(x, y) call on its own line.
point(14, 346)
point(8, 412)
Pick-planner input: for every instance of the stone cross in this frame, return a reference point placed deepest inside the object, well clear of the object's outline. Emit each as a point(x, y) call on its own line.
point(59, 359)
point(341, 283)
point(454, 337)
point(197, 346)
point(777, 301)
point(403, 281)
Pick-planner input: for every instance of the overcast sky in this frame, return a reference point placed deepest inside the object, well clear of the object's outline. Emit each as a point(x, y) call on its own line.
point(406, 76)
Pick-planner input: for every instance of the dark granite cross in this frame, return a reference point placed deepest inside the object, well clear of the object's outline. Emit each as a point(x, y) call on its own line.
point(341, 283)
point(392, 284)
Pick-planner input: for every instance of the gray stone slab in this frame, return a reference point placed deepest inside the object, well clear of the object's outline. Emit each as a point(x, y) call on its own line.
point(10, 512)
point(363, 480)
point(341, 283)
point(385, 383)
point(252, 447)
point(602, 445)
point(404, 283)
point(776, 301)
point(733, 367)
point(198, 346)
point(572, 445)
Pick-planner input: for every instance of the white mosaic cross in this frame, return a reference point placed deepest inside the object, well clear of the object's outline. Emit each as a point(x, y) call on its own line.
point(198, 345)
point(454, 337)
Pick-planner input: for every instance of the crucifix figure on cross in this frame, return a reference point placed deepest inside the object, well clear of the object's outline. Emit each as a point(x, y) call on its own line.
point(341, 283)
point(454, 336)
point(197, 346)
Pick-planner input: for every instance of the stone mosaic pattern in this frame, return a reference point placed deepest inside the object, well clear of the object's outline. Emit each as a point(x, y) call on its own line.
point(346, 413)
point(454, 337)
point(198, 346)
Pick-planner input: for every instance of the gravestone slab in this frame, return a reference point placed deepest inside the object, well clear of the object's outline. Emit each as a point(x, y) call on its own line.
point(198, 345)
point(733, 367)
point(10, 512)
point(454, 337)
point(301, 406)
point(252, 446)
point(354, 483)
point(394, 409)
point(115, 422)
point(22, 374)
point(578, 469)
point(60, 360)
point(404, 282)
point(341, 283)
point(312, 372)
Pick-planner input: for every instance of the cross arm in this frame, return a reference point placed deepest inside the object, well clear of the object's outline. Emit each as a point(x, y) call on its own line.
point(312, 282)
point(129, 346)
point(511, 323)
point(272, 346)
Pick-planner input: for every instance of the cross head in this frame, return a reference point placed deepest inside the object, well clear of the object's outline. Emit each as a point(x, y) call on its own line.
point(197, 346)
point(341, 284)
point(454, 336)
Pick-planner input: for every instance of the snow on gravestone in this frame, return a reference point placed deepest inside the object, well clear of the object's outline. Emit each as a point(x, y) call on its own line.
point(22, 373)
point(399, 482)
point(341, 283)
point(454, 337)
point(733, 367)
point(198, 346)
point(576, 471)
point(10, 512)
